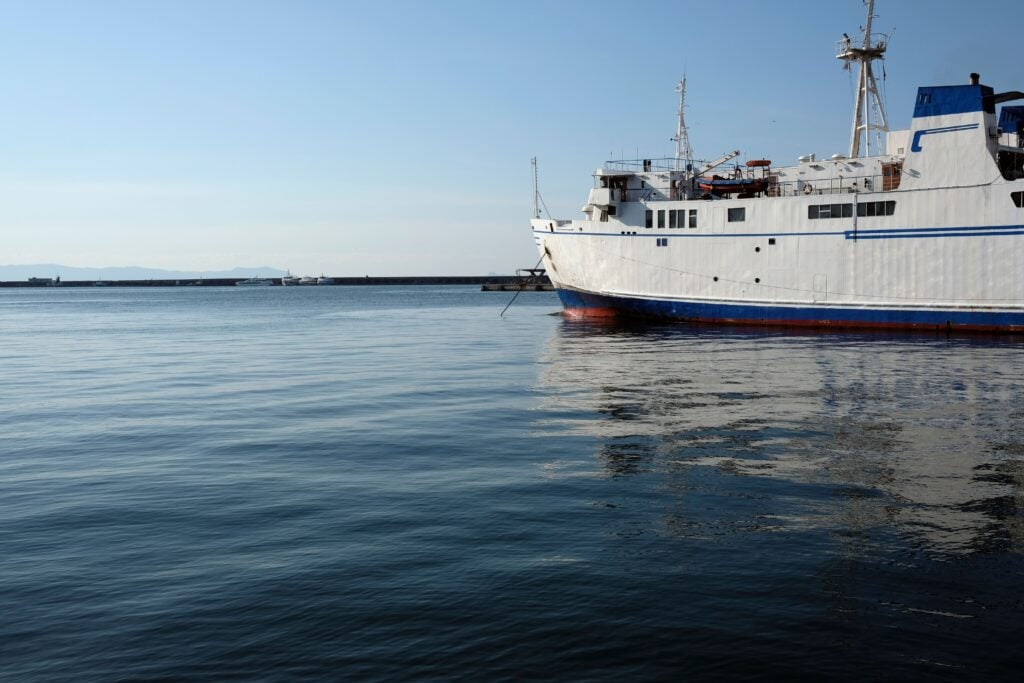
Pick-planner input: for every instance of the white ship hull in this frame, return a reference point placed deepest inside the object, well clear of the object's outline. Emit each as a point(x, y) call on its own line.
point(959, 263)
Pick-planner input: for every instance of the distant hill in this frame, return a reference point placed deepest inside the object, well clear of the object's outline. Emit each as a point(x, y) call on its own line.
point(24, 272)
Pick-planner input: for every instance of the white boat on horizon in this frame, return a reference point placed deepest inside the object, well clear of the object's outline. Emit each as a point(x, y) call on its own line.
point(923, 230)
point(255, 282)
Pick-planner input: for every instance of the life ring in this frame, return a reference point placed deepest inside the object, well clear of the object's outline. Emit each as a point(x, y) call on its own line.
point(808, 189)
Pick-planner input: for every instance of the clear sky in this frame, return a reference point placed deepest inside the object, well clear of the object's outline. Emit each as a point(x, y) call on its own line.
point(394, 137)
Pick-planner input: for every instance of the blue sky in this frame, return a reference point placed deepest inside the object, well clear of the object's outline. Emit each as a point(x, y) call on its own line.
point(394, 138)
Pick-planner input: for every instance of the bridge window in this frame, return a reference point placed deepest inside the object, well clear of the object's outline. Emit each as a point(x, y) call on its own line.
point(1011, 164)
point(648, 219)
point(738, 214)
point(1018, 199)
point(661, 218)
point(693, 218)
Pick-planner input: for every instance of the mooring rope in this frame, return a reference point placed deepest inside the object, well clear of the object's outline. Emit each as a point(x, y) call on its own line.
point(518, 291)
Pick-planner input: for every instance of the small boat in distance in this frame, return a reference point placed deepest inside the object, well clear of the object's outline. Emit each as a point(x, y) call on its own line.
point(255, 282)
point(324, 280)
point(307, 281)
point(289, 280)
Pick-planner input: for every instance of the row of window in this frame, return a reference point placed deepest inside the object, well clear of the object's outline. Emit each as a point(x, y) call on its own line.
point(677, 218)
point(681, 218)
point(864, 209)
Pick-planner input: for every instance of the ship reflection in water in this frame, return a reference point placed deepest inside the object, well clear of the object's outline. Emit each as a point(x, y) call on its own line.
point(892, 449)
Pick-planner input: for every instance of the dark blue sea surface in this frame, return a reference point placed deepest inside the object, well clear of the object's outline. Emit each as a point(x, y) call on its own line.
point(377, 483)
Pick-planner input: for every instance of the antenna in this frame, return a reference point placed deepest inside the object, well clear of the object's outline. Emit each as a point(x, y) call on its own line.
point(868, 99)
point(682, 139)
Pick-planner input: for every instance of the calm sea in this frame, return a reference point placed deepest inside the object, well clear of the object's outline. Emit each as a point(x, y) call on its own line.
point(372, 483)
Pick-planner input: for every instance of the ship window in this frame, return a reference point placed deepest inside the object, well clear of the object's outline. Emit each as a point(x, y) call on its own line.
point(662, 241)
point(648, 219)
point(611, 210)
point(738, 214)
point(869, 209)
point(830, 211)
point(1018, 199)
point(673, 217)
point(604, 216)
point(661, 218)
point(693, 218)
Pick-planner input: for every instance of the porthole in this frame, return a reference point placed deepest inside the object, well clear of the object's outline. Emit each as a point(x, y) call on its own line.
point(716, 278)
point(757, 279)
point(757, 249)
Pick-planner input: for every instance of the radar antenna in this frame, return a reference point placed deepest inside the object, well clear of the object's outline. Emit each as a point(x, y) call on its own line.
point(868, 99)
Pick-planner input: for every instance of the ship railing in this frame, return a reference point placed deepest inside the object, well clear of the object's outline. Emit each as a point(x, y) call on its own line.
point(845, 185)
point(773, 188)
point(647, 165)
point(855, 46)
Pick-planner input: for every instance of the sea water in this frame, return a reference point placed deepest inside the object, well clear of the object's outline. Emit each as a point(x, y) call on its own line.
point(396, 483)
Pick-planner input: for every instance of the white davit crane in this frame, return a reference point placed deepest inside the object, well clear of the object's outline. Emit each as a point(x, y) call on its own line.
point(718, 162)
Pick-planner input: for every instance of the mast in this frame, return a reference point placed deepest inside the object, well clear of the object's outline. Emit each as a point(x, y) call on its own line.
point(536, 189)
point(682, 139)
point(868, 99)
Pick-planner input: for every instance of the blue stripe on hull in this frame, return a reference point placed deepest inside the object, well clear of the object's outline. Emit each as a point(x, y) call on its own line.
point(804, 316)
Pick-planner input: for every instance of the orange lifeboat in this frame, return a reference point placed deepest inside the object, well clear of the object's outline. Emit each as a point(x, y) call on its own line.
point(757, 163)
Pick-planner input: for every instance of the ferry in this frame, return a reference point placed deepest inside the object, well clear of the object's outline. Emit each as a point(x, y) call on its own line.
point(915, 228)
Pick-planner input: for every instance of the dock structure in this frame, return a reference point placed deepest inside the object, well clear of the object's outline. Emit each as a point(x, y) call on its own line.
point(517, 287)
point(526, 280)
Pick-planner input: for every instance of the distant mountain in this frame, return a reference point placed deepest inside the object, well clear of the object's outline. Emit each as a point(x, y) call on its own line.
point(24, 272)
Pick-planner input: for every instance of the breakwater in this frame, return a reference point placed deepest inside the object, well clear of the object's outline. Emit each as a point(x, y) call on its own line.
point(498, 280)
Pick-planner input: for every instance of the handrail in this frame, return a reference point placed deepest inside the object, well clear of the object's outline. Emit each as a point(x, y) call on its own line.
point(825, 186)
